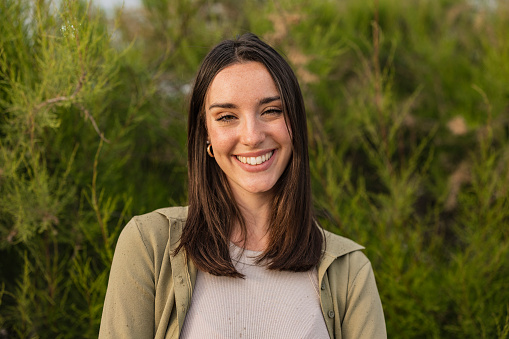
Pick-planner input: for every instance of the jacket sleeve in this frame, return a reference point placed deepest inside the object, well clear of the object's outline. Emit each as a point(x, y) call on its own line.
point(129, 304)
point(363, 317)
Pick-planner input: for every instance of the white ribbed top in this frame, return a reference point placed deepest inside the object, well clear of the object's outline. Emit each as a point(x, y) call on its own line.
point(266, 304)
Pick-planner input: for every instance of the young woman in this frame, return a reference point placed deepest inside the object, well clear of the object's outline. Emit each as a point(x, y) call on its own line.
point(247, 258)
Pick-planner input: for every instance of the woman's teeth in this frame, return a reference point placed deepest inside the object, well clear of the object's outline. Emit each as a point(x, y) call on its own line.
point(255, 160)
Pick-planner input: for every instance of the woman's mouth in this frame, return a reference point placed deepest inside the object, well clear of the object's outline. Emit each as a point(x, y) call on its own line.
point(255, 160)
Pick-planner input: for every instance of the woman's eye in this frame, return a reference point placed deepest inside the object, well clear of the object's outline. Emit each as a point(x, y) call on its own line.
point(225, 118)
point(273, 111)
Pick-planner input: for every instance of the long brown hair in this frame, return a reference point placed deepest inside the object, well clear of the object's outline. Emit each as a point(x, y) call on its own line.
point(295, 242)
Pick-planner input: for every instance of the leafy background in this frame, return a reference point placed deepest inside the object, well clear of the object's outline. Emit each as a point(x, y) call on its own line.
point(408, 110)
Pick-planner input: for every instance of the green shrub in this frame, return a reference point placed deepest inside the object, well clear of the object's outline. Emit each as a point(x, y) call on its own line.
point(409, 132)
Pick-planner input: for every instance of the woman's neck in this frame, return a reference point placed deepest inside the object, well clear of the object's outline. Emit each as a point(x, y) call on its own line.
point(255, 210)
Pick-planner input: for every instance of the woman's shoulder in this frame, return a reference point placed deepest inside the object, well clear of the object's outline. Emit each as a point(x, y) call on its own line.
point(158, 226)
point(173, 213)
point(337, 246)
point(342, 254)
point(353, 290)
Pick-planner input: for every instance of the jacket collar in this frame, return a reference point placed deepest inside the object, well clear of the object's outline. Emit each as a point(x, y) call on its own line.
point(334, 246)
point(337, 246)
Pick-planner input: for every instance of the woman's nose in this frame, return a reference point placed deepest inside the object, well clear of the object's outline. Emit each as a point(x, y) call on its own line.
point(252, 132)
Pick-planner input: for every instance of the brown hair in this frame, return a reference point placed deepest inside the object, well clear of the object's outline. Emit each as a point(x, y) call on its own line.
point(295, 242)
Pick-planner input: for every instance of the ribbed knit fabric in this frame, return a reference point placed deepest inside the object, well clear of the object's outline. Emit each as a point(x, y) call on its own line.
point(266, 304)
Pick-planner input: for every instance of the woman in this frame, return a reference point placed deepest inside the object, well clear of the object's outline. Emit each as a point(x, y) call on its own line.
point(246, 258)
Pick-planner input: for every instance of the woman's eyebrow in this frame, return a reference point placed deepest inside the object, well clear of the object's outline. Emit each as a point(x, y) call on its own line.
point(263, 101)
point(269, 100)
point(221, 105)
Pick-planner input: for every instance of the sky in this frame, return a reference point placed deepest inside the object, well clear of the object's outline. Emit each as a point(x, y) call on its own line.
point(111, 4)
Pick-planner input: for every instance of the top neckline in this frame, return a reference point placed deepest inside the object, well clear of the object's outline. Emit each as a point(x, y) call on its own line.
point(244, 256)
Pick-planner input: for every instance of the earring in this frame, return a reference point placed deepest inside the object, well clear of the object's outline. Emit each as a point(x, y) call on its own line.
point(209, 149)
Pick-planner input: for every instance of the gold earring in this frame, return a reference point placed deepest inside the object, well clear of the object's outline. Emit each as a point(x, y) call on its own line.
point(209, 150)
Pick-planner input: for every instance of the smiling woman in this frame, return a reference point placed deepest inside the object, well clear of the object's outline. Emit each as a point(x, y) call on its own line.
point(247, 257)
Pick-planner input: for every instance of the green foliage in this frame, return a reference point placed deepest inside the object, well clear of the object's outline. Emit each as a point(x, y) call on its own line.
point(408, 118)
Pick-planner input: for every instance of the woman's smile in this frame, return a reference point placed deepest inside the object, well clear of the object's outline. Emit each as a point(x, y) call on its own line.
point(255, 160)
point(255, 164)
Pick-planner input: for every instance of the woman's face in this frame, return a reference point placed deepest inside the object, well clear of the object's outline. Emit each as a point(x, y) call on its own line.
point(247, 129)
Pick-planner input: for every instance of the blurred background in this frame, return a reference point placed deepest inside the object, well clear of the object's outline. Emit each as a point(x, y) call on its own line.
point(408, 113)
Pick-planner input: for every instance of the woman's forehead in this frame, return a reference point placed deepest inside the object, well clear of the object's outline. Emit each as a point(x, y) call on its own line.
point(240, 82)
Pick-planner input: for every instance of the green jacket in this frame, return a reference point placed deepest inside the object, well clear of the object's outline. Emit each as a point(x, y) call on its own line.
point(149, 290)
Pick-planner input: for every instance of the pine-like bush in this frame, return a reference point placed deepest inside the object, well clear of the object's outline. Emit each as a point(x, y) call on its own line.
point(408, 111)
